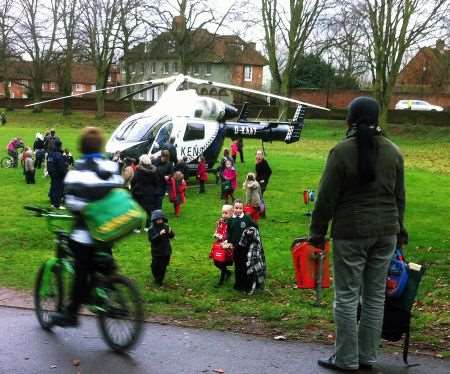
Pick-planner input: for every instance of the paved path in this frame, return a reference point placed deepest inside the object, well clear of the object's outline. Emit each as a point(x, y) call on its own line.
point(27, 349)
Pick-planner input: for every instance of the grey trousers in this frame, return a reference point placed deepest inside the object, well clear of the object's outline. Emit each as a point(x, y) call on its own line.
point(360, 269)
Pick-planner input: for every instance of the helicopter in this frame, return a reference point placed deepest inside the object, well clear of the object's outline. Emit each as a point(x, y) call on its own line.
point(198, 124)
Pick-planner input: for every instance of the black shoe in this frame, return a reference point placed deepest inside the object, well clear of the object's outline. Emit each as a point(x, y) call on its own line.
point(64, 320)
point(330, 364)
point(363, 366)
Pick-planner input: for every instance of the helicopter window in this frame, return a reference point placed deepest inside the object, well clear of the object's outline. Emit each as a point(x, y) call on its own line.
point(162, 137)
point(194, 131)
point(133, 131)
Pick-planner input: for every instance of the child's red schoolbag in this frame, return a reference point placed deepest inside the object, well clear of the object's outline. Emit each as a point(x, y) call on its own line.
point(220, 254)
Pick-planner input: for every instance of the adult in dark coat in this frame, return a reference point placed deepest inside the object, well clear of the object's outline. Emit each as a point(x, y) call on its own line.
point(144, 186)
point(263, 171)
point(362, 192)
point(57, 170)
point(165, 170)
point(39, 149)
point(50, 139)
point(170, 146)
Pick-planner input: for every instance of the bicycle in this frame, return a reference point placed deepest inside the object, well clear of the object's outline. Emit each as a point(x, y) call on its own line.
point(114, 299)
point(8, 162)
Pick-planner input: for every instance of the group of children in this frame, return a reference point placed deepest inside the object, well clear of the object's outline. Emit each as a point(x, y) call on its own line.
point(236, 241)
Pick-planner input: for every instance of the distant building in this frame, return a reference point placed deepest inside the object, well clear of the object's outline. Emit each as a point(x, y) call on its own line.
point(222, 58)
point(83, 80)
point(427, 72)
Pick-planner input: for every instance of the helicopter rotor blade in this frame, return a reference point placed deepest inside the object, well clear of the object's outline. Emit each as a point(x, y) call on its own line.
point(154, 81)
point(140, 90)
point(250, 90)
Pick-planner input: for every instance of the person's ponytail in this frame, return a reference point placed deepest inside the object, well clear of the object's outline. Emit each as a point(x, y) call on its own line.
point(366, 153)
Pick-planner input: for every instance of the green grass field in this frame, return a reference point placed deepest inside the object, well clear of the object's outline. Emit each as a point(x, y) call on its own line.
point(189, 296)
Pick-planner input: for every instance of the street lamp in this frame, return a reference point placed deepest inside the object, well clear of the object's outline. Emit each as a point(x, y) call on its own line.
point(424, 70)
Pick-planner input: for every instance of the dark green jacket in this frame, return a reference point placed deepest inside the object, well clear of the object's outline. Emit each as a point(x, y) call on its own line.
point(236, 227)
point(359, 212)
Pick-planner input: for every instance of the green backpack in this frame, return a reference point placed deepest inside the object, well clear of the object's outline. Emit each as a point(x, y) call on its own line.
point(114, 216)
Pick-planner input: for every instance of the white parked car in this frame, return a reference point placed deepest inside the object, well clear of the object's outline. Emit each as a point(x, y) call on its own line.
point(417, 105)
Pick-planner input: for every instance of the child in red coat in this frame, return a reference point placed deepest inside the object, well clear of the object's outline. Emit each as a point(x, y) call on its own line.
point(202, 174)
point(234, 148)
point(221, 251)
point(177, 188)
point(229, 183)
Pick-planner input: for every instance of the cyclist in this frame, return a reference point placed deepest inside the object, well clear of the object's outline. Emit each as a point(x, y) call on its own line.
point(13, 146)
point(91, 179)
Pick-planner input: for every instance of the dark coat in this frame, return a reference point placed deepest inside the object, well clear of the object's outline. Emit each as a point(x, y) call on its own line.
point(172, 151)
point(56, 165)
point(144, 186)
point(356, 211)
point(263, 173)
point(160, 244)
point(236, 227)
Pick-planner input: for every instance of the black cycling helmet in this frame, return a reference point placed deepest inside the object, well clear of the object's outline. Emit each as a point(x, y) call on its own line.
point(363, 109)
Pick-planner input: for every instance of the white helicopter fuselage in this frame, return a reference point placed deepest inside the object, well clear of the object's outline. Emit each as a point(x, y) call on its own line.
point(192, 120)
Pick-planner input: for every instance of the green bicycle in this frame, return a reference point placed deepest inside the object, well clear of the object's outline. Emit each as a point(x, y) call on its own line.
point(114, 299)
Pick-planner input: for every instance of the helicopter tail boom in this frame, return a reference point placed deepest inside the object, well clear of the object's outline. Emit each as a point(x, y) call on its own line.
point(289, 132)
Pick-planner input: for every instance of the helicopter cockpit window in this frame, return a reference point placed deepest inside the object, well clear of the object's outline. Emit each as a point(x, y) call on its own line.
point(194, 131)
point(133, 131)
point(162, 137)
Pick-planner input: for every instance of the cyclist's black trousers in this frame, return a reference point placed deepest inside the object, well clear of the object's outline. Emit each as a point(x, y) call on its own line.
point(85, 265)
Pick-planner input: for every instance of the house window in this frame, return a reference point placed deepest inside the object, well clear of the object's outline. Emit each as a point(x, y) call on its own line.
point(248, 73)
point(52, 86)
point(208, 69)
point(109, 77)
point(140, 95)
point(78, 87)
point(153, 68)
point(166, 68)
point(213, 92)
point(23, 82)
point(196, 69)
point(93, 87)
point(43, 88)
point(175, 67)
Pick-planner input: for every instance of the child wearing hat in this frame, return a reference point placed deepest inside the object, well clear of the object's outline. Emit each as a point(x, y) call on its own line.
point(159, 236)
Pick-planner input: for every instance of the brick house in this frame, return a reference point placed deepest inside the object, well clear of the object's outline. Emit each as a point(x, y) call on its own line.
point(221, 58)
point(83, 80)
point(427, 72)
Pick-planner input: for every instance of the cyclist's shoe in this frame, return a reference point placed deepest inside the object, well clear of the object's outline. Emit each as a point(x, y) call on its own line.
point(64, 320)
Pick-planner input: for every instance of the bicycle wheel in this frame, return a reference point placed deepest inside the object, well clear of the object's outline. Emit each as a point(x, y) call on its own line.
point(121, 323)
point(48, 295)
point(6, 162)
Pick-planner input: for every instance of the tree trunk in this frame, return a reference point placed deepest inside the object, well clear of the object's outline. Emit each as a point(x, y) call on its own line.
point(8, 103)
point(100, 101)
point(37, 94)
point(67, 88)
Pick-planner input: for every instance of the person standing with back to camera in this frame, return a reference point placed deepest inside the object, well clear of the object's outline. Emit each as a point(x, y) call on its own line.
point(362, 192)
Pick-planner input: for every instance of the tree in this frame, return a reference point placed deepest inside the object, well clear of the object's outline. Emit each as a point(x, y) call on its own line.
point(132, 30)
point(347, 42)
point(311, 71)
point(391, 28)
point(7, 24)
point(287, 30)
point(100, 27)
point(36, 35)
point(70, 16)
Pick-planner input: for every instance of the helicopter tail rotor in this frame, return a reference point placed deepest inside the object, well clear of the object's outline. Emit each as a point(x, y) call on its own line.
point(296, 125)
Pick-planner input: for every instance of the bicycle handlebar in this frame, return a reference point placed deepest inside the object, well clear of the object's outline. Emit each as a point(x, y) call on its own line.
point(42, 212)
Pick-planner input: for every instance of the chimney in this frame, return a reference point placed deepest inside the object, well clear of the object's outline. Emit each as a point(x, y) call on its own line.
point(179, 24)
point(440, 45)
